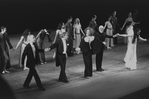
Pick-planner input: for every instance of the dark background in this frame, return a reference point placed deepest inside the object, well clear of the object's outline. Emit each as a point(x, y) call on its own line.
point(18, 15)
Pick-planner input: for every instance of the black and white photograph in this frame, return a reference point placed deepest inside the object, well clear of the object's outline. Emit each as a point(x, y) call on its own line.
point(74, 49)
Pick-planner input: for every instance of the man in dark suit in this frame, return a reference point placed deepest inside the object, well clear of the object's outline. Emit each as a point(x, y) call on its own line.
point(30, 52)
point(61, 55)
point(97, 49)
point(100, 48)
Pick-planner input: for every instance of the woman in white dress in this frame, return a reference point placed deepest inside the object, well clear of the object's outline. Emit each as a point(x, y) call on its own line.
point(77, 30)
point(130, 58)
point(24, 41)
point(109, 32)
point(126, 24)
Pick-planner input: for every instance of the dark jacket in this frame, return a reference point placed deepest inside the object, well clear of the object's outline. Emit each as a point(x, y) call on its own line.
point(31, 60)
point(7, 41)
point(84, 46)
point(59, 51)
point(58, 45)
point(96, 45)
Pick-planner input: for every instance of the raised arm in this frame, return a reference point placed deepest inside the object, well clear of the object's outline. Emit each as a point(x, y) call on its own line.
point(38, 34)
point(105, 24)
point(46, 32)
point(123, 25)
point(48, 35)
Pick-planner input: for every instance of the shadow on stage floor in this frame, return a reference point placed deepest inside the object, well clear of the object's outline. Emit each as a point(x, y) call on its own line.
point(141, 94)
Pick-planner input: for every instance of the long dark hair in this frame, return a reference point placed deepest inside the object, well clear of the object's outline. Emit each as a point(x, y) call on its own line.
point(60, 25)
point(136, 35)
point(26, 33)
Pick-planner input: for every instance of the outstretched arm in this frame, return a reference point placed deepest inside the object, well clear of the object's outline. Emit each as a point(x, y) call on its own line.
point(123, 25)
point(21, 39)
point(54, 45)
point(142, 38)
point(105, 25)
point(55, 37)
point(123, 35)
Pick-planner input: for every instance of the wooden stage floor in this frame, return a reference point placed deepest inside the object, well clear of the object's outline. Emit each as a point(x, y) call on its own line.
point(115, 82)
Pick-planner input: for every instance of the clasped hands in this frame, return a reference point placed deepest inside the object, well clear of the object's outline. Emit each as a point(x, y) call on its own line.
point(47, 49)
point(116, 35)
point(78, 50)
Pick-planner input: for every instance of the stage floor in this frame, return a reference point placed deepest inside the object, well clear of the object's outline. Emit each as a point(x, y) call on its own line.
point(115, 82)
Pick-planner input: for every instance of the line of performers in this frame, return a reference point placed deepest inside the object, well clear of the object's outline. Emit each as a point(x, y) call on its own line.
point(70, 39)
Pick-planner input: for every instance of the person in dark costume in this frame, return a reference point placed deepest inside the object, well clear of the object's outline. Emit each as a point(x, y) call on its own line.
point(90, 44)
point(30, 52)
point(99, 56)
point(61, 55)
point(4, 43)
point(39, 43)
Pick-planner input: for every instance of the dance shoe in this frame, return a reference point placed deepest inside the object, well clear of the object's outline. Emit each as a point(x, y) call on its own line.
point(42, 89)
point(28, 87)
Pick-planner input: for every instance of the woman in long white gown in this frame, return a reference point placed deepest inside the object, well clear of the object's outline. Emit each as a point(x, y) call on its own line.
point(130, 58)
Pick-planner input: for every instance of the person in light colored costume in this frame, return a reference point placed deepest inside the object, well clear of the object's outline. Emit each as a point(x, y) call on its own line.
point(130, 58)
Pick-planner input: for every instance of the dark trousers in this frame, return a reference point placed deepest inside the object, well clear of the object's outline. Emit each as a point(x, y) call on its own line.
point(33, 72)
point(87, 57)
point(40, 52)
point(99, 57)
point(62, 61)
point(115, 39)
